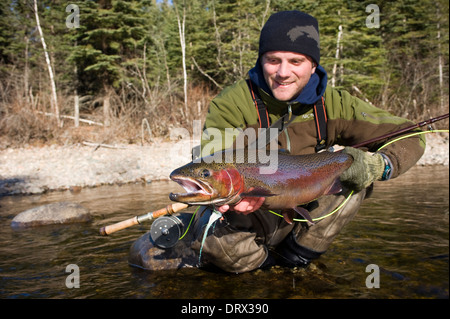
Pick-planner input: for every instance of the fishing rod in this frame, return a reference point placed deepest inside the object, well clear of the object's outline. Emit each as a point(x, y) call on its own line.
point(168, 210)
point(406, 129)
point(176, 207)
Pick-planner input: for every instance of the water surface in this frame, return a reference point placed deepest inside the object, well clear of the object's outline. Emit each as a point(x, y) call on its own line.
point(403, 229)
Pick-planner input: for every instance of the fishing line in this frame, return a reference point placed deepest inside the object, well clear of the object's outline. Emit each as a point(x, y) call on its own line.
point(351, 193)
point(321, 217)
point(411, 135)
point(216, 215)
point(190, 222)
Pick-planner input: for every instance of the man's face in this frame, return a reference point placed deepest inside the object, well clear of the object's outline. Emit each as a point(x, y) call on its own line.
point(287, 73)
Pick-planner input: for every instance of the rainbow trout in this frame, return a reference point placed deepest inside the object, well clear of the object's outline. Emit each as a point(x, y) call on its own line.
point(297, 180)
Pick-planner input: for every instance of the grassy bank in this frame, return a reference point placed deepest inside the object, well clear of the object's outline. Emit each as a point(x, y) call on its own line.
point(130, 122)
point(24, 122)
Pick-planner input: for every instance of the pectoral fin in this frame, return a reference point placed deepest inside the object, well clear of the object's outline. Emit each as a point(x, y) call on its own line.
point(335, 188)
point(304, 213)
point(289, 214)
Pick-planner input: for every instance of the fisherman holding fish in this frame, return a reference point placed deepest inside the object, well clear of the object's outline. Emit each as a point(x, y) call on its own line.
point(288, 80)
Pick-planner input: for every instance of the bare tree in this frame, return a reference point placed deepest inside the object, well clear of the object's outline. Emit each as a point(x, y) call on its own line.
point(54, 99)
point(337, 56)
point(441, 81)
point(181, 31)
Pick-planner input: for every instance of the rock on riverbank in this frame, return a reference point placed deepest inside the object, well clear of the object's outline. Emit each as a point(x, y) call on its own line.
point(36, 170)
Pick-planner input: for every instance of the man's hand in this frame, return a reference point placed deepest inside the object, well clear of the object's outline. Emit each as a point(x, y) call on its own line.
point(246, 206)
point(366, 169)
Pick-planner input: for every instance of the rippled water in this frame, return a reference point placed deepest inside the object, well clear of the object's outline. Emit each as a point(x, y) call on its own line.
point(403, 229)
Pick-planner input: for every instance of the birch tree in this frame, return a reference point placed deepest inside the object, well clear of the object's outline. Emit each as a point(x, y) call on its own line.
point(337, 56)
point(54, 98)
point(438, 38)
point(181, 29)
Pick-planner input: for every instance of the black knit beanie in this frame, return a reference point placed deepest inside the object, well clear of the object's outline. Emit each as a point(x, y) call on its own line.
point(292, 31)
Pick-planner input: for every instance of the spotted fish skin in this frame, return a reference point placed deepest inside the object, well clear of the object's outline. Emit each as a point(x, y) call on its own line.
point(297, 180)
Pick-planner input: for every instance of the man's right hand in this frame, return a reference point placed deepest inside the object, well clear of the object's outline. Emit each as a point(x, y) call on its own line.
point(246, 206)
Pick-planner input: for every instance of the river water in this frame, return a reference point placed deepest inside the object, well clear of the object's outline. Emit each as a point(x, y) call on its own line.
point(401, 233)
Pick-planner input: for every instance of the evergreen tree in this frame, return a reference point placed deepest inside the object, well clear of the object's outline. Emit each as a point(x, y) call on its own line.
point(129, 50)
point(409, 31)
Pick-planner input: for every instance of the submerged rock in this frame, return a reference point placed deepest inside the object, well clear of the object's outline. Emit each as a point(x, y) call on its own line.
point(56, 213)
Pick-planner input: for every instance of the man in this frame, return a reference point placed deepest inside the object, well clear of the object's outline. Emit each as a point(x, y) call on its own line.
point(288, 76)
point(288, 79)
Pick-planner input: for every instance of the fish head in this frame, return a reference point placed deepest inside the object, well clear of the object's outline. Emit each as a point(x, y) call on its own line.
point(207, 183)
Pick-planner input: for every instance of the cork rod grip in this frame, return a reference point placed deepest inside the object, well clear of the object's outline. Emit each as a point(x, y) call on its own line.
point(118, 226)
point(169, 209)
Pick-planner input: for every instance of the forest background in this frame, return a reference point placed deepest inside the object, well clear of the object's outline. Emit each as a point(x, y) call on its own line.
point(129, 71)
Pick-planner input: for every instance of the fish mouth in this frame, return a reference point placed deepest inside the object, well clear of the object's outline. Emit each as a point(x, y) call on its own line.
point(197, 192)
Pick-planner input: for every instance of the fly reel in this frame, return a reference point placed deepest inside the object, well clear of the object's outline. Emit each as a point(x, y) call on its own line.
point(165, 231)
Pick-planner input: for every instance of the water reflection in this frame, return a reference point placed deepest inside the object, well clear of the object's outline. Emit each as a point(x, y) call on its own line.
point(403, 229)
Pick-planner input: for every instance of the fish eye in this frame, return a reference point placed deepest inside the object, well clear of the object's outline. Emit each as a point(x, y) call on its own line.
point(205, 173)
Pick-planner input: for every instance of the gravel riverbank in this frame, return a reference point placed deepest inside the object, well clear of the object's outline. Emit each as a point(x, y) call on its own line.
point(36, 170)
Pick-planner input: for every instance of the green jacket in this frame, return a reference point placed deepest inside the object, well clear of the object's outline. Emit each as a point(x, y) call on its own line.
point(350, 121)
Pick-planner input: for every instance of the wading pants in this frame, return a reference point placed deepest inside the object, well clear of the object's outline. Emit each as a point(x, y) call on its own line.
point(240, 243)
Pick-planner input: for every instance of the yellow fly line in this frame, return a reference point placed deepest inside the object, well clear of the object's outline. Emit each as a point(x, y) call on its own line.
point(349, 195)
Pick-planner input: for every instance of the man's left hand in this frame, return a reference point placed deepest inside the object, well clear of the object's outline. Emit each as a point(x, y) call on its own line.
point(366, 169)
